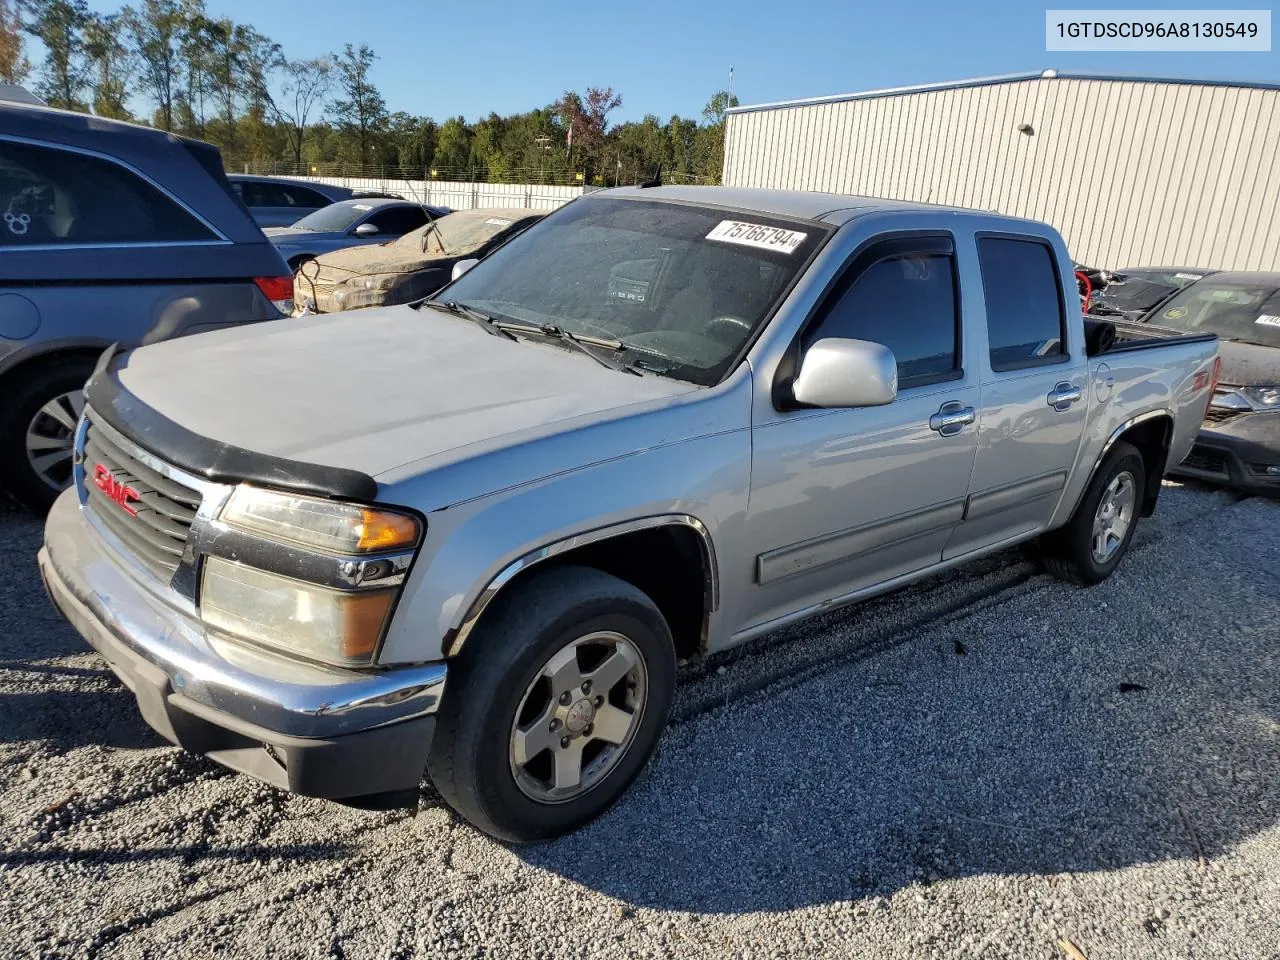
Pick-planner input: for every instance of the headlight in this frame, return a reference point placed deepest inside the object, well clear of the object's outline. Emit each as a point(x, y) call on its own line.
point(1268, 398)
point(332, 626)
point(332, 616)
point(328, 525)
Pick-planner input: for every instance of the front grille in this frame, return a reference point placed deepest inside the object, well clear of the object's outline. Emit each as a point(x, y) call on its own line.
point(1205, 459)
point(1219, 414)
point(165, 509)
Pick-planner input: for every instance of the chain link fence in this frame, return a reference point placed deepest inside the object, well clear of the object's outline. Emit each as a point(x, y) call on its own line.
point(326, 170)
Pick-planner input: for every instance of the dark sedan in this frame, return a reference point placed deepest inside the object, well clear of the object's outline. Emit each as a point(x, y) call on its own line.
point(349, 223)
point(1133, 292)
point(281, 202)
point(1239, 443)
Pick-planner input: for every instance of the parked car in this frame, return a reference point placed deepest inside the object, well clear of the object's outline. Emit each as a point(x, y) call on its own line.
point(1134, 292)
point(474, 536)
point(1239, 442)
point(111, 233)
point(349, 223)
point(409, 268)
point(280, 202)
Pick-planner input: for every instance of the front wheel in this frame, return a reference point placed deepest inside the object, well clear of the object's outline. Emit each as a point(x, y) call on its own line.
point(38, 417)
point(1090, 546)
point(554, 705)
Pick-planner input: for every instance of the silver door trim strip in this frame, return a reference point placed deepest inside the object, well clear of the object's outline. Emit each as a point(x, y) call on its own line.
point(1014, 494)
point(832, 548)
point(874, 590)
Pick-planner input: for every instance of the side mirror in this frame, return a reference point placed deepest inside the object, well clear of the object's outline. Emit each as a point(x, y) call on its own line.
point(367, 230)
point(461, 267)
point(846, 373)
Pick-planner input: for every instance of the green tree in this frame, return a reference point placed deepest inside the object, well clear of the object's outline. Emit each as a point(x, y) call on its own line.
point(113, 66)
point(157, 32)
point(361, 112)
point(59, 25)
point(709, 142)
point(14, 65)
point(588, 120)
point(453, 148)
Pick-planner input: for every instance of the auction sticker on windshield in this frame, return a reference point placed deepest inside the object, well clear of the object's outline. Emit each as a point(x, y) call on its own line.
point(1268, 320)
point(757, 235)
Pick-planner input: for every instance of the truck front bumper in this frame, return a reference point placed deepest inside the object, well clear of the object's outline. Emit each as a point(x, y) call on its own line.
point(310, 730)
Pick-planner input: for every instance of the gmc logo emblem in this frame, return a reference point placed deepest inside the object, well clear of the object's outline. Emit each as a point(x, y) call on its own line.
point(121, 494)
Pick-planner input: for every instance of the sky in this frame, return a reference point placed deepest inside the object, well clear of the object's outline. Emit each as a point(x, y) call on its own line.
point(445, 59)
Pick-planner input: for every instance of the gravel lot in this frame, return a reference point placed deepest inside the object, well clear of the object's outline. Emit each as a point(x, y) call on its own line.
point(978, 766)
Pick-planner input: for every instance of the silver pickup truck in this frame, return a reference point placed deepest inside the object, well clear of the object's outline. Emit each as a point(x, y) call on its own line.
point(473, 536)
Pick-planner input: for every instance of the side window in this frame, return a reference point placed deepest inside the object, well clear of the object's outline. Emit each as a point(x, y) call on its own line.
point(907, 303)
point(398, 220)
point(302, 197)
point(1025, 323)
point(53, 196)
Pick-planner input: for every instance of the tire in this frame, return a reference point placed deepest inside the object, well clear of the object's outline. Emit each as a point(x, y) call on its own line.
point(22, 413)
point(1069, 553)
point(497, 686)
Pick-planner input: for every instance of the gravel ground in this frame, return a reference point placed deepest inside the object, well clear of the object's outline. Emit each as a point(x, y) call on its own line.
point(981, 765)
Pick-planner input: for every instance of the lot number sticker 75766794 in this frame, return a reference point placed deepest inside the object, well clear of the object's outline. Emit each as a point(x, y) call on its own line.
point(757, 235)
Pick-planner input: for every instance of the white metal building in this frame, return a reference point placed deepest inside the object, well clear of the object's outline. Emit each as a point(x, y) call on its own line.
point(1132, 171)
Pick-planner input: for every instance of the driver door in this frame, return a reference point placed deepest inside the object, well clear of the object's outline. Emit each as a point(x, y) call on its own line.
point(845, 499)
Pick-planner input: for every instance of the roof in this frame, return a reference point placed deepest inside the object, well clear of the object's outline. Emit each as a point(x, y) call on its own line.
point(1245, 277)
point(371, 203)
point(801, 204)
point(74, 120)
point(17, 94)
point(992, 81)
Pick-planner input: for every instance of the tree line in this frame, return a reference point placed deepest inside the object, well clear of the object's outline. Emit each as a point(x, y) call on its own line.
point(225, 82)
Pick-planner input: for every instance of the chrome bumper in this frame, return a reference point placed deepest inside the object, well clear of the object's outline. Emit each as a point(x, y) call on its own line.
point(314, 730)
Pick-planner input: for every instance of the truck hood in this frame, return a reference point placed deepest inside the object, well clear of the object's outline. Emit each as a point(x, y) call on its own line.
point(1249, 364)
point(376, 389)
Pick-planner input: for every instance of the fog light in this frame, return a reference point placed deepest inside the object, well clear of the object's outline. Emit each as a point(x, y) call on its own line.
point(303, 619)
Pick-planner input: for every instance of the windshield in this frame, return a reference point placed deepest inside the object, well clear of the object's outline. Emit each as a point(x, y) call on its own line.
point(334, 218)
point(462, 232)
point(1234, 311)
point(683, 287)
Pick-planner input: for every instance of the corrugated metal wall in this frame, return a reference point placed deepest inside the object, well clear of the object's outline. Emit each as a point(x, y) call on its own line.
point(1131, 173)
point(463, 195)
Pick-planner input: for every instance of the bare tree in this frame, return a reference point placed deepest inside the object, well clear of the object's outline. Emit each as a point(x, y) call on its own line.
point(14, 65)
point(306, 85)
point(156, 32)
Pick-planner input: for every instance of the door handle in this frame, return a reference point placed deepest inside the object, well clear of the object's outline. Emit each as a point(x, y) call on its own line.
point(1062, 396)
point(952, 417)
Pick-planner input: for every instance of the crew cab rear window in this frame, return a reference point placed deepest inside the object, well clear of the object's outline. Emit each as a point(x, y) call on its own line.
point(907, 303)
point(54, 196)
point(1025, 323)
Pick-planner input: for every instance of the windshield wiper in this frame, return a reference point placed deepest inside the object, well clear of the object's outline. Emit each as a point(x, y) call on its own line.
point(485, 322)
point(581, 342)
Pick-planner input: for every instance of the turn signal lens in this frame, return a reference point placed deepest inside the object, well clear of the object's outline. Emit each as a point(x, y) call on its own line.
point(343, 528)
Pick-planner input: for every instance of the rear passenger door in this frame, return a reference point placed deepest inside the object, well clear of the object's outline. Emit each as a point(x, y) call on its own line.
point(1034, 396)
point(844, 499)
